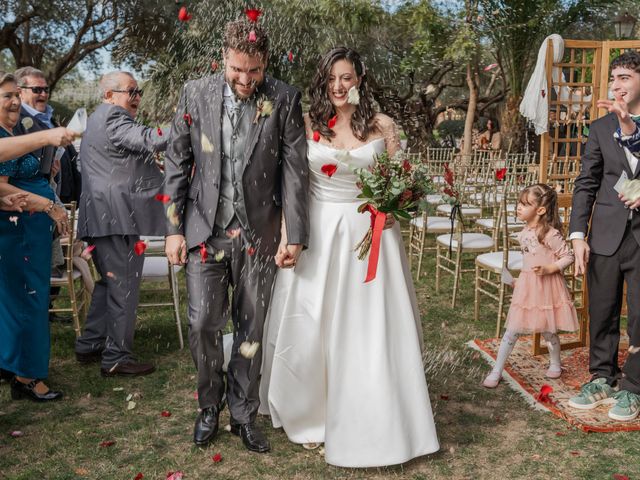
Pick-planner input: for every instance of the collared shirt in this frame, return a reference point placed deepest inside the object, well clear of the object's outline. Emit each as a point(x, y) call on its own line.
point(44, 117)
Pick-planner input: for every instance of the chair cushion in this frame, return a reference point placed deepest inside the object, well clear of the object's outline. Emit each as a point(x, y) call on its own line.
point(434, 199)
point(512, 223)
point(434, 224)
point(469, 241)
point(63, 281)
point(469, 210)
point(493, 260)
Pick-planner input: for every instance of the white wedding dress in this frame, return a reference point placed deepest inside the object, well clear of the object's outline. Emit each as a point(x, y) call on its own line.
point(342, 359)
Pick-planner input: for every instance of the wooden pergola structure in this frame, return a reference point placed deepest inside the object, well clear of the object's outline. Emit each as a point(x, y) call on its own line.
point(582, 77)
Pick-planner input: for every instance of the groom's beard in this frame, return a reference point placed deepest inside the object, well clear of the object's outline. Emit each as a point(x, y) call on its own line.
point(243, 96)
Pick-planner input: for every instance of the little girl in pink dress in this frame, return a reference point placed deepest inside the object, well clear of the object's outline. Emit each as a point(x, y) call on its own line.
point(541, 302)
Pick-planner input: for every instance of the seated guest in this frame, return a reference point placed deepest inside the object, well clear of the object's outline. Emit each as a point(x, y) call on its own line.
point(489, 138)
point(120, 181)
point(25, 250)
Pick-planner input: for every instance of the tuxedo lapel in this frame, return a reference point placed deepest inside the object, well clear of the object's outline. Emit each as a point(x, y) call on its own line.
point(212, 121)
point(257, 122)
point(619, 153)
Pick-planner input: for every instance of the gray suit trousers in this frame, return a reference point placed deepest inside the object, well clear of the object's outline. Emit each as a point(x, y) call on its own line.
point(250, 276)
point(112, 316)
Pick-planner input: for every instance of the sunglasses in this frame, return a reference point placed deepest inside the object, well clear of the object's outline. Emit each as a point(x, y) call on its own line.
point(36, 90)
point(132, 92)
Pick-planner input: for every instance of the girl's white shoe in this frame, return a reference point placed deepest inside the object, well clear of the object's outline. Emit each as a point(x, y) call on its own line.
point(554, 371)
point(492, 380)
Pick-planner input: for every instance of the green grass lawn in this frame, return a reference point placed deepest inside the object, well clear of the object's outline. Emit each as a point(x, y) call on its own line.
point(483, 434)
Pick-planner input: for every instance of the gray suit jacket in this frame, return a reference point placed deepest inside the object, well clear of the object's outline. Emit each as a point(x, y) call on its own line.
point(120, 179)
point(601, 166)
point(275, 177)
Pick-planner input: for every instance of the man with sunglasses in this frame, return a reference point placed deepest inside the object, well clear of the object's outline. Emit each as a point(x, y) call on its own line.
point(118, 204)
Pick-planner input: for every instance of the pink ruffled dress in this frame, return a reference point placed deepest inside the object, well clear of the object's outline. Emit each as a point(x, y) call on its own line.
point(542, 303)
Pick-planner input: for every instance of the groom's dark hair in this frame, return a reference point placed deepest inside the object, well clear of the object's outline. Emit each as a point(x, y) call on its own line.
point(246, 37)
point(629, 59)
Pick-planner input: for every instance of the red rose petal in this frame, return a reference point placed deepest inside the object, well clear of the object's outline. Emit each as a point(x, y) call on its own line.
point(139, 247)
point(203, 253)
point(560, 434)
point(543, 395)
point(183, 15)
point(575, 454)
point(107, 443)
point(543, 93)
point(187, 118)
point(253, 14)
point(165, 413)
point(161, 197)
point(444, 397)
point(619, 476)
point(159, 130)
point(290, 56)
point(332, 121)
point(174, 475)
point(501, 173)
point(17, 434)
point(217, 458)
point(214, 66)
point(316, 136)
point(139, 476)
point(329, 169)
point(251, 251)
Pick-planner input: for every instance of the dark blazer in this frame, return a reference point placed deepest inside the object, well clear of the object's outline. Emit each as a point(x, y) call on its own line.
point(44, 154)
point(275, 177)
point(120, 179)
point(602, 163)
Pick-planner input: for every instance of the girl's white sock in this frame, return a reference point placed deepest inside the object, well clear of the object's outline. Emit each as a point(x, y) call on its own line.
point(506, 346)
point(553, 344)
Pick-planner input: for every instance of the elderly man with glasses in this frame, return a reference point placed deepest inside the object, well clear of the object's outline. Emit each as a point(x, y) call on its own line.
point(120, 182)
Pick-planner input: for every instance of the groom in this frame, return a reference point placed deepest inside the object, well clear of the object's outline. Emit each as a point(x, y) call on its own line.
point(236, 167)
point(612, 254)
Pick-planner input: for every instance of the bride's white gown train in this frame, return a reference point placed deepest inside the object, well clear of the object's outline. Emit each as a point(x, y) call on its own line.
point(342, 359)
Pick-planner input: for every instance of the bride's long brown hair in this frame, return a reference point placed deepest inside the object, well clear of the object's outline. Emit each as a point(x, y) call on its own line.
point(321, 107)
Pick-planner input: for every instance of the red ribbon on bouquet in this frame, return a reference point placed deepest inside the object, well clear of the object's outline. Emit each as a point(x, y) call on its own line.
point(377, 226)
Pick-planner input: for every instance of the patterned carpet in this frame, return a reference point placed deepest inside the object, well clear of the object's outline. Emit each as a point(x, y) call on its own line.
point(526, 374)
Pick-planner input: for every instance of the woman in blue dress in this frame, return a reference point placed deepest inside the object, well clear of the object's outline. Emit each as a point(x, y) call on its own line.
point(25, 262)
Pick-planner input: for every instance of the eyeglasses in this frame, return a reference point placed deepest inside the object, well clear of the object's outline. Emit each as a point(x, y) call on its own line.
point(132, 92)
point(36, 90)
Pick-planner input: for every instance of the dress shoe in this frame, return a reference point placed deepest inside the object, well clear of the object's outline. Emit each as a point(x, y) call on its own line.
point(28, 390)
point(252, 437)
point(6, 375)
point(89, 357)
point(128, 369)
point(206, 426)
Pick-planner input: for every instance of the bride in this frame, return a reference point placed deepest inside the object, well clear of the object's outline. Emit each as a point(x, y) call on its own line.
point(343, 362)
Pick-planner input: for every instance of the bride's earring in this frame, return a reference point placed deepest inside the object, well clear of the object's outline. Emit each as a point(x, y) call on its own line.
point(353, 97)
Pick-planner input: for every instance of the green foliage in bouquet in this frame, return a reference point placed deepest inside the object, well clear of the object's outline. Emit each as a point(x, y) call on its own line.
point(393, 185)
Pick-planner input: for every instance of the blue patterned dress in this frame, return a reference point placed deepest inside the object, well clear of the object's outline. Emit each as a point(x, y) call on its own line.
point(25, 270)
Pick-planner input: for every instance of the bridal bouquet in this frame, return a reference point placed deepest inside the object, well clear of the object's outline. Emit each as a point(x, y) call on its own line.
point(393, 185)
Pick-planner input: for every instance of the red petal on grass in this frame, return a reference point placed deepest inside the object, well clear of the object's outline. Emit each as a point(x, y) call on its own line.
point(187, 118)
point(217, 458)
point(203, 253)
point(619, 476)
point(575, 454)
point(560, 434)
point(501, 173)
point(252, 36)
point(107, 443)
point(174, 475)
point(165, 413)
point(329, 169)
point(183, 15)
point(139, 247)
point(161, 197)
point(316, 136)
point(159, 130)
point(253, 14)
point(139, 476)
point(290, 56)
point(251, 251)
point(444, 397)
point(332, 121)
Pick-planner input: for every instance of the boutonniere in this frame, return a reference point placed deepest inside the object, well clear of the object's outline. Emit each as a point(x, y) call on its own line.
point(264, 108)
point(27, 123)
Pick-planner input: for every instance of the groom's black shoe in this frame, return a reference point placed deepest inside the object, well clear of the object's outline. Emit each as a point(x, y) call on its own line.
point(206, 426)
point(252, 437)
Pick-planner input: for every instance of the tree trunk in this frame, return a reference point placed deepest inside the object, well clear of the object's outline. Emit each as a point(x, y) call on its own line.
point(513, 125)
point(471, 113)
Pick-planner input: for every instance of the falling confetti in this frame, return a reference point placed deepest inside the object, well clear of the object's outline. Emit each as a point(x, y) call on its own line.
point(234, 232)
point(252, 36)
point(633, 349)
point(131, 405)
point(251, 251)
point(332, 121)
point(219, 255)
point(184, 15)
point(490, 67)
point(543, 395)
point(14, 219)
point(290, 56)
point(253, 14)
point(316, 136)
point(249, 350)
point(207, 146)
point(140, 247)
point(159, 130)
point(17, 433)
point(139, 476)
point(329, 169)
point(172, 215)
point(162, 197)
point(217, 458)
point(174, 475)
point(187, 118)
point(203, 253)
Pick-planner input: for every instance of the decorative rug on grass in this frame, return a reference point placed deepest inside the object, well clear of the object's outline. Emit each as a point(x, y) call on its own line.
point(525, 374)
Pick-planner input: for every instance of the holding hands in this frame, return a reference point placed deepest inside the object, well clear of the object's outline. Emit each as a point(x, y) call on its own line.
point(14, 202)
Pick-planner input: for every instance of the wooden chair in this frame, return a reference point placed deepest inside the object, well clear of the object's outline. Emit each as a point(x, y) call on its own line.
point(74, 287)
point(158, 269)
point(419, 227)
